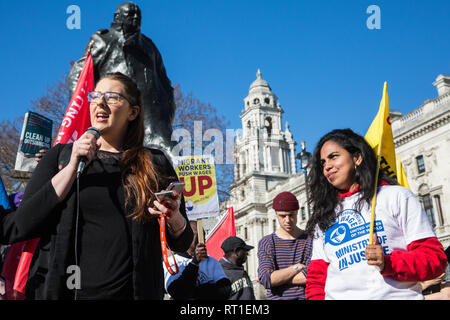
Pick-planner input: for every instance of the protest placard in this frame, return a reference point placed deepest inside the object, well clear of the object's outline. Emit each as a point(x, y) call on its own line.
point(36, 135)
point(200, 192)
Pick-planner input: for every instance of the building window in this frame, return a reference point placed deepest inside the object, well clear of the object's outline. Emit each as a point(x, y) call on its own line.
point(268, 125)
point(428, 207)
point(420, 164)
point(245, 234)
point(274, 224)
point(447, 273)
point(275, 156)
point(303, 212)
point(440, 214)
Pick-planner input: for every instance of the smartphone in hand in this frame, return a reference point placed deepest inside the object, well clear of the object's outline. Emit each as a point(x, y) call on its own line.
point(178, 186)
point(173, 187)
point(161, 196)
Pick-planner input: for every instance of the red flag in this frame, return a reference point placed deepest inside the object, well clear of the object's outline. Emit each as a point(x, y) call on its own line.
point(9, 269)
point(23, 267)
point(75, 122)
point(224, 228)
point(77, 118)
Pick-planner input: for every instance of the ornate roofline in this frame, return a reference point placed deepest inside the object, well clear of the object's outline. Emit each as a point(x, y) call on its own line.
point(420, 131)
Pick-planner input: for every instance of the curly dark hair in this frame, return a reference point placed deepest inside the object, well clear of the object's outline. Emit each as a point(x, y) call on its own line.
point(324, 196)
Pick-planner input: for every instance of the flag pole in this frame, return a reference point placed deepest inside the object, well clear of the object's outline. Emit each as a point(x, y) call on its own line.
point(200, 233)
point(90, 45)
point(377, 171)
point(201, 238)
point(374, 199)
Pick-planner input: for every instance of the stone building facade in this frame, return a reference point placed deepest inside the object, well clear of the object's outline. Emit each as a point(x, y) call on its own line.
point(422, 139)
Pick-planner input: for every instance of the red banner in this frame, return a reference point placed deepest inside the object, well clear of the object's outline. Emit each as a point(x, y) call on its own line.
point(77, 118)
point(75, 122)
point(224, 228)
point(9, 269)
point(23, 267)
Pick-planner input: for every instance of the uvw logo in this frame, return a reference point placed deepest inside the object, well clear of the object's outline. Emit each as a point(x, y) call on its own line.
point(338, 235)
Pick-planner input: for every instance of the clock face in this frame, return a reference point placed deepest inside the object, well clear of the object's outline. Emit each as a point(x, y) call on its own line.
point(256, 101)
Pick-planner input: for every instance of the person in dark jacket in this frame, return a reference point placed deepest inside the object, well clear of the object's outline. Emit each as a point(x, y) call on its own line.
point(236, 252)
point(200, 277)
point(110, 248)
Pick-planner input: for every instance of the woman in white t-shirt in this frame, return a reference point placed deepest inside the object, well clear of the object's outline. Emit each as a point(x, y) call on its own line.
point(344, 265)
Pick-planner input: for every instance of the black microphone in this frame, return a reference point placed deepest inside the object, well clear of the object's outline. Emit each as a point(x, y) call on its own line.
point(96, 133)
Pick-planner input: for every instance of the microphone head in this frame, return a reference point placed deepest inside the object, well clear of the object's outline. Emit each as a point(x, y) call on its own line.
point(94, 131)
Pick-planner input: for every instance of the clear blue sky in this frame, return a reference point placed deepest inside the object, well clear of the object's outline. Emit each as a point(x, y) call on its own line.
point(326, 67)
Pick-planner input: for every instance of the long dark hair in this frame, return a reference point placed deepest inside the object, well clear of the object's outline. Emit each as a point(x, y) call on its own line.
point(139, 175)
point(323, 195)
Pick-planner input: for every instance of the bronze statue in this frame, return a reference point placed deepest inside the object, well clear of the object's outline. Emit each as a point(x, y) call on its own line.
point(123, 48)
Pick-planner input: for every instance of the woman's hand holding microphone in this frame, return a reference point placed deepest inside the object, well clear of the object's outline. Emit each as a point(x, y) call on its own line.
point(84, 149)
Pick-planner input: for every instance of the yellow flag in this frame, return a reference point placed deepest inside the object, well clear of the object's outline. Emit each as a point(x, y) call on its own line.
point(380, 138)
point(401, 176)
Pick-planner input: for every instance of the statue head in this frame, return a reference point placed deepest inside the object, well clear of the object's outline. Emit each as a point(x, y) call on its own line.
point(128, 16)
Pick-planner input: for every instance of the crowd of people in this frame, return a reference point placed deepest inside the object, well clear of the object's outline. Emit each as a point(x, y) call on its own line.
point(109, 224)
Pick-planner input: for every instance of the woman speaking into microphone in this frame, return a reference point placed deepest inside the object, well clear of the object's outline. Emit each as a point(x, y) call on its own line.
point(100, 237)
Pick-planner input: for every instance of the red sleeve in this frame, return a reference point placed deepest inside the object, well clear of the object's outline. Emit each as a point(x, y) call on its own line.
point(424, 259)
point(315, 280)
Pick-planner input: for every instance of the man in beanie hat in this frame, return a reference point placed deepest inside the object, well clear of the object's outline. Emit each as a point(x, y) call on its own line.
point(236, 252)
point(285, 254)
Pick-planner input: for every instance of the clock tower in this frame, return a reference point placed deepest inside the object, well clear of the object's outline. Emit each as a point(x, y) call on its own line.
point(264, 165)
point(264, 150)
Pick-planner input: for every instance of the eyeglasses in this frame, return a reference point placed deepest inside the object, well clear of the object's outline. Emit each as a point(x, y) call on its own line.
point(111, 98)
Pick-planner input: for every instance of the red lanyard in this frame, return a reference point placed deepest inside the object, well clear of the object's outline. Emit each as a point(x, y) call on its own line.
point(164, 246)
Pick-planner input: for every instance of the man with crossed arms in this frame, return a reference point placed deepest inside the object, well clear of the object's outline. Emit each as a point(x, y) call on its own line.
point(285, 254)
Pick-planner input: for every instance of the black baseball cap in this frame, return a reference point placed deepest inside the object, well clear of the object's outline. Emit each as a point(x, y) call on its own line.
point(232, 243)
